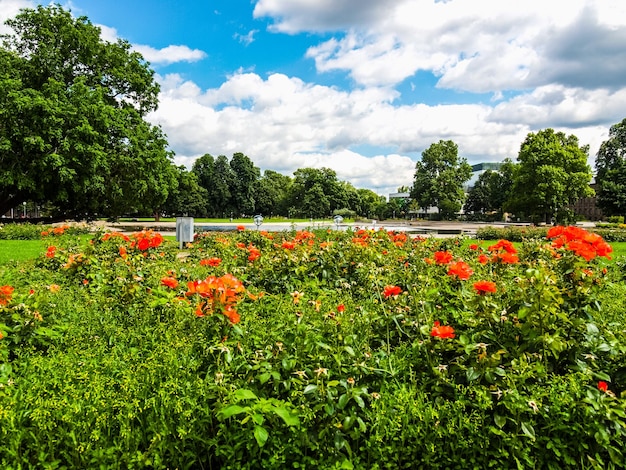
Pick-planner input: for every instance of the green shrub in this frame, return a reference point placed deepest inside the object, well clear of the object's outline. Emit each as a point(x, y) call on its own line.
point(359, 349)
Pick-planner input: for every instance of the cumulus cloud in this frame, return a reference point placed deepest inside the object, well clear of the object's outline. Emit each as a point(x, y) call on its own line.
point(283, 123)
point(294, 16)
point(485, 46)
point(10, 8)
point(169, 54)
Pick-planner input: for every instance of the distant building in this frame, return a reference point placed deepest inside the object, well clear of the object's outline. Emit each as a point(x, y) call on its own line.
point(587, 206)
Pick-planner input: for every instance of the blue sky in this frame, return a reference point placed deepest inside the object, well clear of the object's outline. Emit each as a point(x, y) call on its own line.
point(364, 86)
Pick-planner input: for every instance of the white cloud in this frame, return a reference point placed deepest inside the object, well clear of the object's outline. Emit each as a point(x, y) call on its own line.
point(169, 54)
point(10, 8)
point(248, 38)
point(485, 46)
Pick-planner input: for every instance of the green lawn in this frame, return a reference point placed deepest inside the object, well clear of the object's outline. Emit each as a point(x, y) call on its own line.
point(21, 250)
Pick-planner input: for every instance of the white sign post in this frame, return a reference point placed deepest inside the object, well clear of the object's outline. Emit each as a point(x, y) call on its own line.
point(184, 230)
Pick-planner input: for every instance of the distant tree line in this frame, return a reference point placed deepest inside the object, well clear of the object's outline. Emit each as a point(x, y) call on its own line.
point(217, 187)
point(549, 175)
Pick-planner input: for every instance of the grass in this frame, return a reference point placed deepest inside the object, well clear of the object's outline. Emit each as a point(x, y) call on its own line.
point(20, 250)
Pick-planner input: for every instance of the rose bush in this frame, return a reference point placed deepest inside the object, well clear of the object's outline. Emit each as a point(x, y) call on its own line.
point(325, 349)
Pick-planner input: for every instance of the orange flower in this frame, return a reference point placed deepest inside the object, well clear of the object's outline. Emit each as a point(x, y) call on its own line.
point(460, 269)
point(54, 288)
point(388, 291)
point(123, 252)
point(143, 244)
point(169, 282)
point(503, 245)
point(442, 331)
point(474, 247)
point(507, 258)
point(147, 239)
point(584, 244)
point(109, 235)
point(51, 251)
point(5, 294)
point(442, 257)
point(483, 258)
point(253, 253)
point(219, 294)
point(483, 287)
point(240, 228)
point(45, 233)
point(603, 386)
point(304, 234)
point(288, 245)
point(341, 308)
point(211, 262)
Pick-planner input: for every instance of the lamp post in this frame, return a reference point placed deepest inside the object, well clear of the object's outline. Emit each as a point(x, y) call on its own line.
point(258, 220)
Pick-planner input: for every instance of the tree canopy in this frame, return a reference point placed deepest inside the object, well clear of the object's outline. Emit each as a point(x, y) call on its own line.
point(72, 127)
point(492, 190)
point(552, 173)
point(611, 171)
point(439, 178)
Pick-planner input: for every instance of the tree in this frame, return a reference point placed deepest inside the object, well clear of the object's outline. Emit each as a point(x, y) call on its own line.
point(372, 205)
point(72, 127)
point(272, 195)
point(245, 184)
point(316, 192)
point(552, 173)
point(189, 198)
point(611, 171)
point(439, 179)
point(491, 191)
point(217, 178)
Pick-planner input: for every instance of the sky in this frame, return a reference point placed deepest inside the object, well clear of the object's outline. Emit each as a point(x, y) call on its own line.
point(364, 86)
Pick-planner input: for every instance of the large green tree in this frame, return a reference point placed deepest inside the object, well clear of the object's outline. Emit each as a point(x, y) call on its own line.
point(611, 171)
point(273, 193)
point(316, 192)
point(216, 176)
point(72, 127)
point(244, 184)
point(189, 198)
point(552, 173)
point(439, 178)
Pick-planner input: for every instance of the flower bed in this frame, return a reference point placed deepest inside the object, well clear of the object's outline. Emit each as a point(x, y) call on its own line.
point(363, 349)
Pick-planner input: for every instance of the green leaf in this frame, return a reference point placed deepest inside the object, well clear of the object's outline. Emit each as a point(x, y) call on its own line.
point(528, 430)
point(472, 374)
point(343, 401)
point(349, 350)
point(232, 410)
point(263, 378)
point(310, 388)
point(289, 418)
point(261, 435)
point(359, 401)
point(499, 420)
point(245, 394)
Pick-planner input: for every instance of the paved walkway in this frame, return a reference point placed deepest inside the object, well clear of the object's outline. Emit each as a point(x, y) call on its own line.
point(438, 228)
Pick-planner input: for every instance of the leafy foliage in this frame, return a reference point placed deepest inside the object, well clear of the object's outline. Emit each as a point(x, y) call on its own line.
point(72, 128)
point(364, 349)
point(552, 173)
point(611, 171)
point(439, 178)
